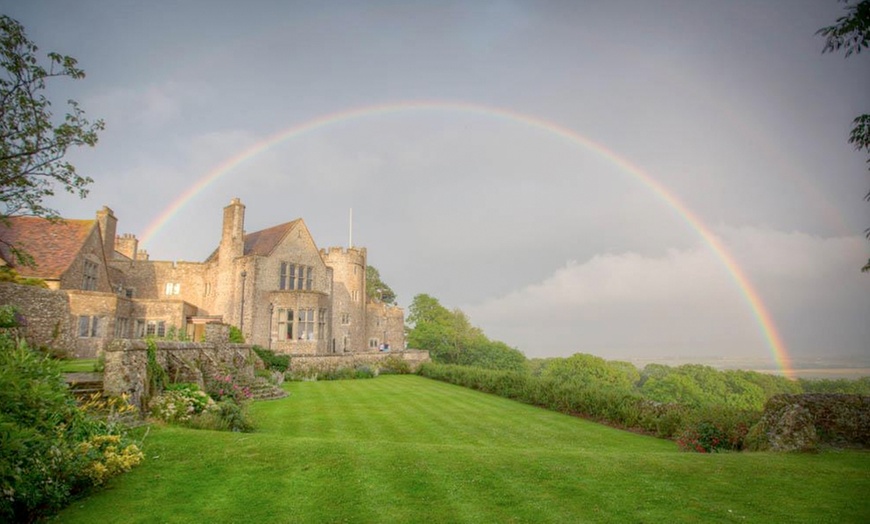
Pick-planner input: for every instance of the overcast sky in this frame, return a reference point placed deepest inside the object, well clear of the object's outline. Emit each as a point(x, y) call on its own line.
point(548, 244)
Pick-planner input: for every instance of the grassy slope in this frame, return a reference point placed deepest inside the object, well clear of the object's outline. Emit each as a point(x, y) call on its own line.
point(407, 449)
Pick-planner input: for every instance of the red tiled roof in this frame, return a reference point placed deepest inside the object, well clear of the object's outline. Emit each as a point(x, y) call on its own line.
point(53, 246)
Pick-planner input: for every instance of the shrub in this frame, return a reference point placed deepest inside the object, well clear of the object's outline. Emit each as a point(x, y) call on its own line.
point(179, 403)
point(226, 415)
point(226, 386)
point(364, 372)
point(394, 365)
point(236, 336)
point(716, 429)
point(107, 456)
point(271, 360)
point(50, 449)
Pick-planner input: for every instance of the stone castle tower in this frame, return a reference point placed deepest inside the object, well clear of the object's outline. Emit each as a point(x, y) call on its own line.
point(349, 295)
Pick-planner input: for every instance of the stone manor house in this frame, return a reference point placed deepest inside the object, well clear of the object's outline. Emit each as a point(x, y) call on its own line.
point(275, 285)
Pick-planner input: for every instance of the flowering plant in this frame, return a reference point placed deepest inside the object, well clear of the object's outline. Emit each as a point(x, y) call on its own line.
point(703, 437)
point(223, 386)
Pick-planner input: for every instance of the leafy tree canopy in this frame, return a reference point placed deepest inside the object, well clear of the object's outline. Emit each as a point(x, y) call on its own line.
point(450, 338)
point(851, 32)
point(33, 144)
point(376, 289)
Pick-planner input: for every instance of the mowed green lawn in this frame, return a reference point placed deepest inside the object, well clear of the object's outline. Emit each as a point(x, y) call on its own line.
point(409, 449)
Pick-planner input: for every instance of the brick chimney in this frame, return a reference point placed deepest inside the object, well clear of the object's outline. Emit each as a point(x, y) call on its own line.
point(232, 237)
point(108, 226)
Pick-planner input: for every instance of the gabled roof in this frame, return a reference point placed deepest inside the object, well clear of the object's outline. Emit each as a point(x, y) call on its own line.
point(262, 242)
point(53, 245)
point(265, 241)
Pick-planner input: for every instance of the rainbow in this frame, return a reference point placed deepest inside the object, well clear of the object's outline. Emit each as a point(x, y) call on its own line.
point(752, 297)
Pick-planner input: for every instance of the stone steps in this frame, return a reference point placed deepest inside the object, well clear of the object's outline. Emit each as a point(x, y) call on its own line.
point(262, 389)
point(83, 385)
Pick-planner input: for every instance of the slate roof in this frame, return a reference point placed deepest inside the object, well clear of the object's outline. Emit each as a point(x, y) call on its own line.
point(53, 246)
point(262, 242)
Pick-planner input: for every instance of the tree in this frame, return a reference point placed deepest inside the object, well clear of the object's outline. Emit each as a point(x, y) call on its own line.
point(376, 289)
point(852, 33)
point(32, 143)
point(450, 338)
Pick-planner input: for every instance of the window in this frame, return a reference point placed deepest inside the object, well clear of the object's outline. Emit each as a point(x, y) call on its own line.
point(321, 324)
point(89, 281)
point(285, 324)
point(121, 327)
point(139, 332)
point(295, 276)
point(354, 295)
point(172, 288)
point(83, 326)
point(207, 290)
point(373, 343)
point(128, 292)
point(306, 324)
point(155, 328)
point(345, 319)
point(89, 326)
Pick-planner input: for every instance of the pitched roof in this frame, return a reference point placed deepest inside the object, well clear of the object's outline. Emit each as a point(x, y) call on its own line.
point(262, 242)
point(53, 245)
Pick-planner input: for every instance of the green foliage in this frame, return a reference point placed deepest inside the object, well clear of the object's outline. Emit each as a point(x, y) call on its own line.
point(852, 33)
point(451, 339)
point(718, 428)
point(347, 373)
point(226, 385)
point(852, 30)
point(226, 415)
point(393, 365)
point(50, 449)
point(236, 336)
point(179, 403)
point(272, 361)
point(32, 147)
point(174, 333)
point(157, 376)
point(592, 371)
point(8, 316)
point(376, 289)
point(859, 386)
point(7, 274)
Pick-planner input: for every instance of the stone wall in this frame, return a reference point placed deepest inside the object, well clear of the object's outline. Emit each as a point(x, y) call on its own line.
point(126, 371)
point(385, 324)
point(803, 422)
point(47, 313)
point(307, 365)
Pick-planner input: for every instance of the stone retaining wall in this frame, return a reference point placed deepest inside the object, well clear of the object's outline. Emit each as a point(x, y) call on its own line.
point(126, 369)
point(46, 313)
point(311, 364)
